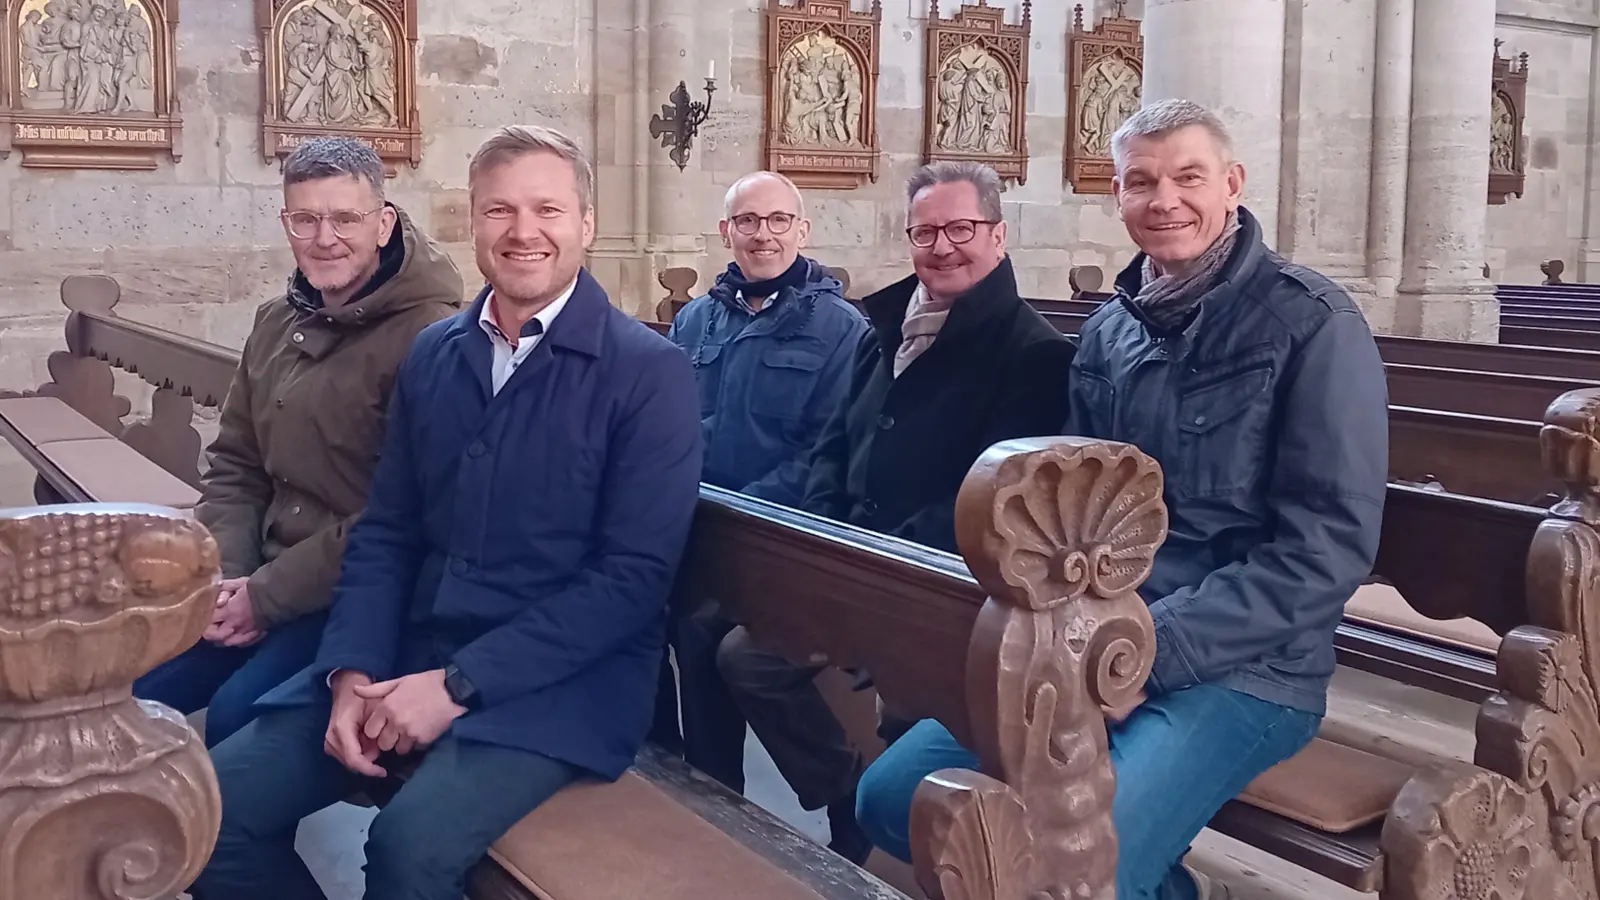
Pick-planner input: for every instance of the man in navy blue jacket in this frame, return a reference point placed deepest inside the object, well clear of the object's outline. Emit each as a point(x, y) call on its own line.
point(772, 345)
point(502, 601)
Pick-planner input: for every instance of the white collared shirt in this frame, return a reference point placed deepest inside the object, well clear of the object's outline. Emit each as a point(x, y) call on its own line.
point(508, 355)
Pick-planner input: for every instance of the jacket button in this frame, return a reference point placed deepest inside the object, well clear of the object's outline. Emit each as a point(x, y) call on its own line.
point(280, 403)
point(476, 449)
point(298, 338)
point(1199, 420)
point(458, 567)
point(886, 422)
point(294, 510)
point(869, 507)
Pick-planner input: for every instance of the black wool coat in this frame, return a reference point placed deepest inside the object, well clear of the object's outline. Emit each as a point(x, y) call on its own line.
point(892, 457)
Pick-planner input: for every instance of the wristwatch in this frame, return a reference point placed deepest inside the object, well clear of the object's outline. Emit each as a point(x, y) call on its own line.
point(460, 688)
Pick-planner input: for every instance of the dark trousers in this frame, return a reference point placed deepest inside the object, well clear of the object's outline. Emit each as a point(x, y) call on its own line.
point(788, 713)
point(273, 773)
point(713, 726)
point(227, 681)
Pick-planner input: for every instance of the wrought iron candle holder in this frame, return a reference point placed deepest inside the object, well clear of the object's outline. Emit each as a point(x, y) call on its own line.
point(680, 120)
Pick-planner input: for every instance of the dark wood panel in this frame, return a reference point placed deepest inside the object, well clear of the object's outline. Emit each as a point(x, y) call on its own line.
point(1549, 337)
point(1480, 456)
point(1498, 394)
point(1353, 859)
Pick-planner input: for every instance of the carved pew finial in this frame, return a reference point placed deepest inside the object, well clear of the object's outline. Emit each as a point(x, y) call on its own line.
point(99, 792)
point(1059, 532)
point(1524, 821)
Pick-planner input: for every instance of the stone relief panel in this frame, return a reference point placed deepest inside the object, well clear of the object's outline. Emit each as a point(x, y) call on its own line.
point(1105, 75)
point(344, 67)
point(89, 83)
point(822, 91)
point(978, 87)
point(1508, 100)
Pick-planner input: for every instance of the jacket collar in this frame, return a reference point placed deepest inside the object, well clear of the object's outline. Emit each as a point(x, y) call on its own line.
point(579, 328)
point(992, 298)
point(791, 308)
point(1246, 254)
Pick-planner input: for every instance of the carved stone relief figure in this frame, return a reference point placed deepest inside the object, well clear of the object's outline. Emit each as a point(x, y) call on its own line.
point(822, 91)
point(1502, 137)
point(974, 103)
point(1110, 94)
point(339, 66)
point(90, 57)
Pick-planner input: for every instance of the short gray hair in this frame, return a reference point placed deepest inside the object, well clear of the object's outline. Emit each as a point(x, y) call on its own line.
point(980, 176)
point(331, 157)
point(1162, 118)
point(513, 141)
point(737, 186)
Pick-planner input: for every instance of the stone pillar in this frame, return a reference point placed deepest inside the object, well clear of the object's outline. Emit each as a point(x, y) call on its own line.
point(1327, 140)
point(1442, 292)
point(621, 58)
point(675, 232)
point(1587, 266)
point(1391, 149)
point(1228, 56)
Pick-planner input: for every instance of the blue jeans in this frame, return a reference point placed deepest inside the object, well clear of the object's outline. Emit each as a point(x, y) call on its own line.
point(274, 773)
point(1178, 758)
point(227, 681)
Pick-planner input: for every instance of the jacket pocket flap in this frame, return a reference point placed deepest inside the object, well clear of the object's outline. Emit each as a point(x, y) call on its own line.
point(1221, 399)
point(792, 358)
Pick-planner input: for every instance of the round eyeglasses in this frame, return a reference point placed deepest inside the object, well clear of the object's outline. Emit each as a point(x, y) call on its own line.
point(956, 231)
point(304, 224)
point(777, 223)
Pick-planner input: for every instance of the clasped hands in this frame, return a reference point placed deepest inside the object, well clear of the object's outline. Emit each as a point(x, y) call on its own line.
point(233, 622)
point(396, 716)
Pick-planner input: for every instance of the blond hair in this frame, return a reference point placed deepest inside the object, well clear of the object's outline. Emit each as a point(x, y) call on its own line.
point(512, 141)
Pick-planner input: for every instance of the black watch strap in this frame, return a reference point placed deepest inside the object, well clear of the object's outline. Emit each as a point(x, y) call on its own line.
point(459, 687)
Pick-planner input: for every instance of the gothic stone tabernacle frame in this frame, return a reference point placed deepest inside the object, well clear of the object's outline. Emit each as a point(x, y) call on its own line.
point(822, 92)
point(340, 67)
point(977, 88)
point(1508, 166)
point(89, 84)
point(1105, 74)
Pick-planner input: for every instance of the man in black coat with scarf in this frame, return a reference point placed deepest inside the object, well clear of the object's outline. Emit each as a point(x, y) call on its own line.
point(955, 362)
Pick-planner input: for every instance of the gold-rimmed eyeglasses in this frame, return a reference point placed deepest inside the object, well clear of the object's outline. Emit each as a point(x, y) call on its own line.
point(303, 224)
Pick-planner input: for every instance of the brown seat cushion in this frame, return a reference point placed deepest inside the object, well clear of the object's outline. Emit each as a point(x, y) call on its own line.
point(648, 846)
point(41, 420)
point(1382, 605)
point(1329, 787)
point(112, 472)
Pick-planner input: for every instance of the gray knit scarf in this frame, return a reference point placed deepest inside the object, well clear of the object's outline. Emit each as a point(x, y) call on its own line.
point(1167, 300)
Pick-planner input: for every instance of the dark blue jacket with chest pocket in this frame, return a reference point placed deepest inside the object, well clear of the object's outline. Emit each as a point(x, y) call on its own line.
point(531, 536)
point(768, 382)
point(1269, 416)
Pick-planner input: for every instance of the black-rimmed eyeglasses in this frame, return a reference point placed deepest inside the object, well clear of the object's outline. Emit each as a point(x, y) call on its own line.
point(777, 223)
point(957, 231)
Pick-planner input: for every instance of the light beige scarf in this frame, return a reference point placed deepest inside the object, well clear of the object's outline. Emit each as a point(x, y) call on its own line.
point(924, 317)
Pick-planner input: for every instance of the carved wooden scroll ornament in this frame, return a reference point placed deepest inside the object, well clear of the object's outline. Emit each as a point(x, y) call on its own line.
point(1105, 75)
point(89, 84)
point(679, 282)
point(822, 92)
point(1059, 532)
point(977, 89)
point(1508, 98)
point(1524, 823)
point(340, 67)
point(103, 797)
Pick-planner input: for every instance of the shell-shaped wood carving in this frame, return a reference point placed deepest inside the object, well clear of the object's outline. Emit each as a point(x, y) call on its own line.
point(103, 797)
point(1060, 532)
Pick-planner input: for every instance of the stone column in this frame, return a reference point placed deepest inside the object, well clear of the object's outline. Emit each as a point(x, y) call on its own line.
point(1327, 140)
point(1391, 149)
point(1587, 267)
point(621, 58)
point(1442, 292)
point(1228, 56)
point(675, 232)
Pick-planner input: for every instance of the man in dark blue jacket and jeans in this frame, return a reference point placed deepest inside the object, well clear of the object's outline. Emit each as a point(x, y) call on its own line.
point(502, 601)
point(771, 344)
point(1257, 386)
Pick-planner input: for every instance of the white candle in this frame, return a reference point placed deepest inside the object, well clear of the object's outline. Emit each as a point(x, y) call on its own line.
point(711, 69)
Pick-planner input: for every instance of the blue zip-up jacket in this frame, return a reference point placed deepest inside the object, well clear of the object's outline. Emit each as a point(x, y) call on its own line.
point(531, 536)
point(768, 382)
point(1269, 416)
